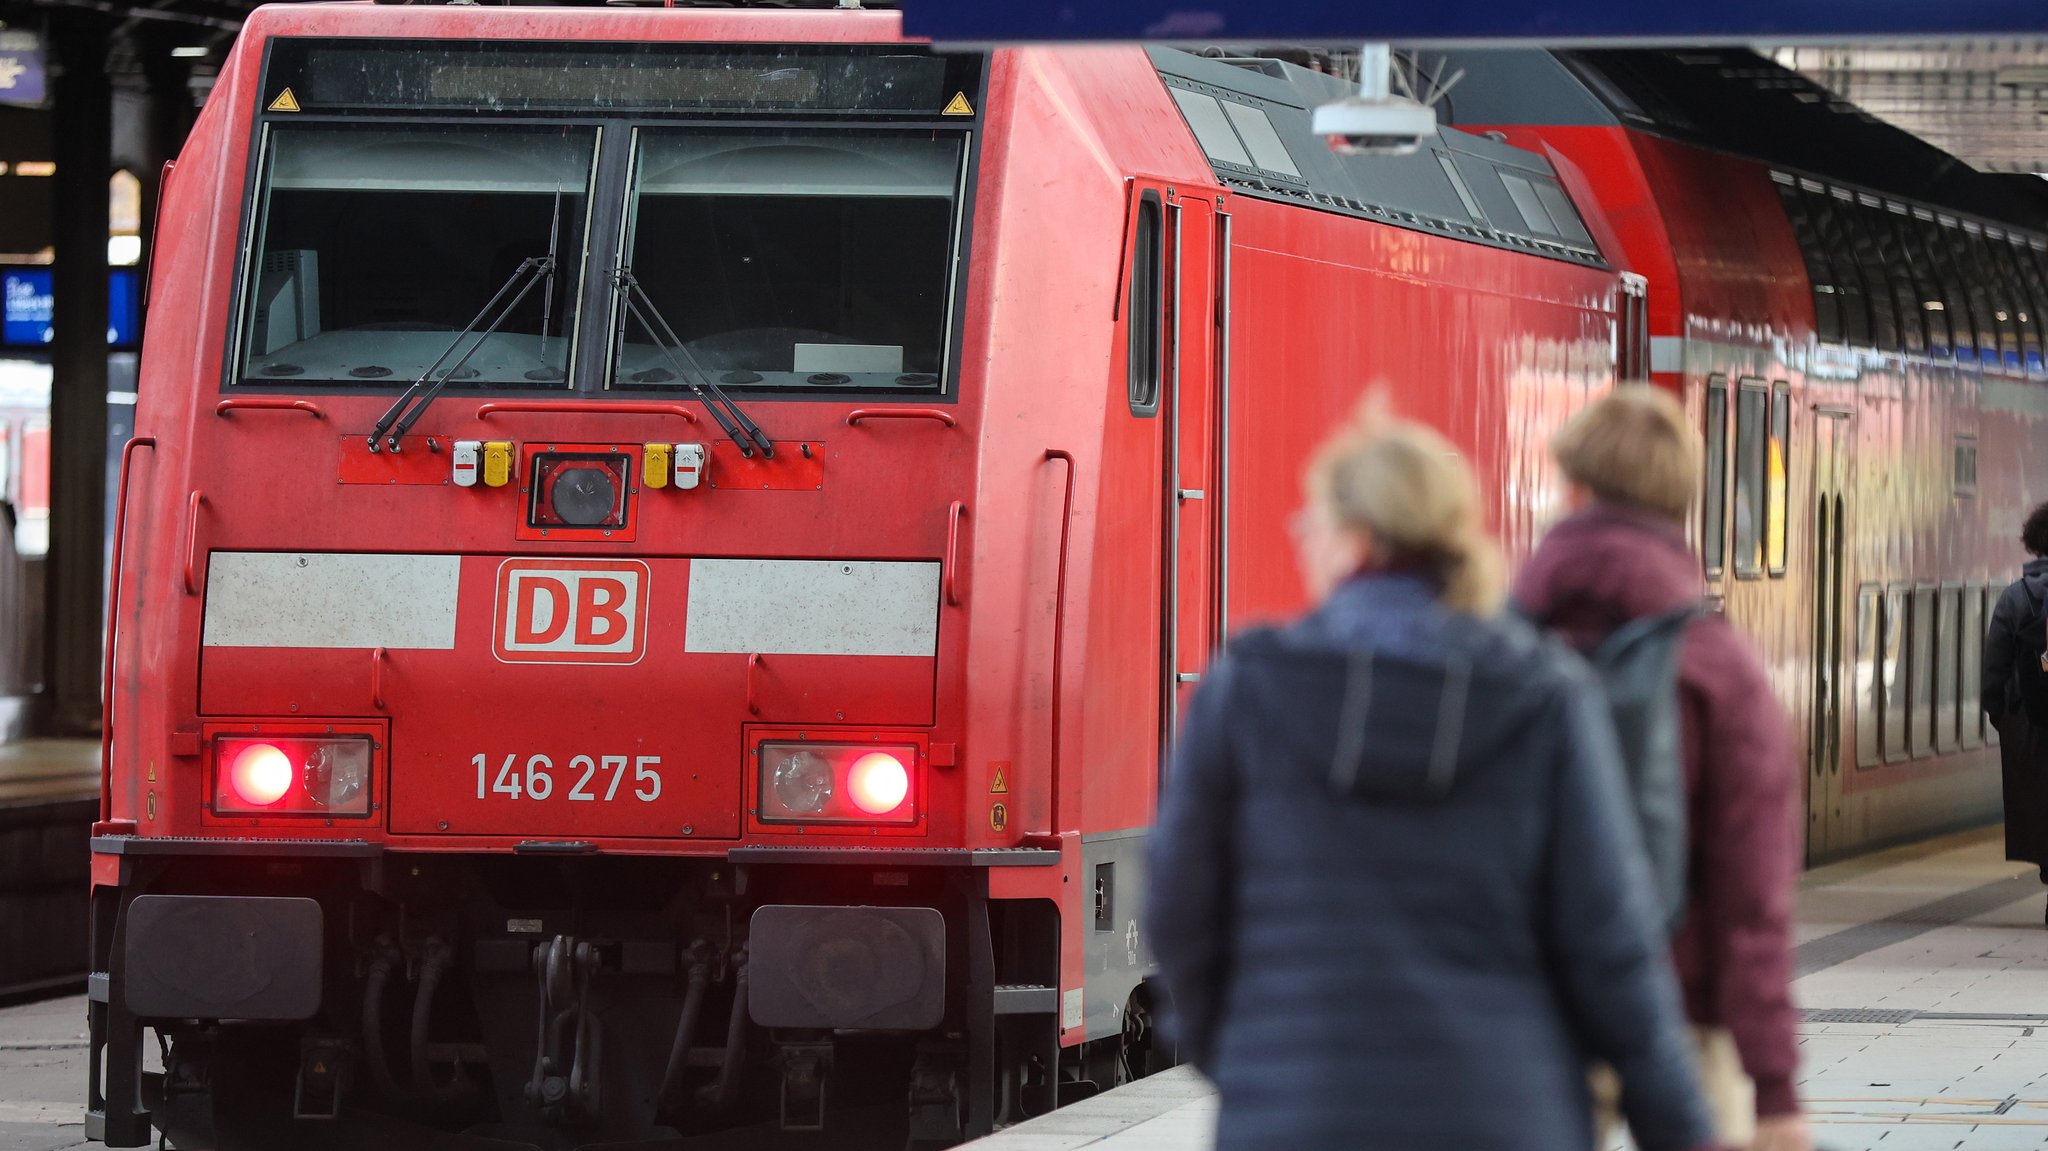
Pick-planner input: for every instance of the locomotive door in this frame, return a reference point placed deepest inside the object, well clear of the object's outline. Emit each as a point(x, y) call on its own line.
point(1193, 623)
point(1830, 581)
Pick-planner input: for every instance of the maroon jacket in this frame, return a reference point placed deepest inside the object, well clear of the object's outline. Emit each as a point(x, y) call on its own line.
point(1610, 564)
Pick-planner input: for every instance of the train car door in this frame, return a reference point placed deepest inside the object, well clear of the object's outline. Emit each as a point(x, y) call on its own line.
point(1830, 581)
point(1193, 491)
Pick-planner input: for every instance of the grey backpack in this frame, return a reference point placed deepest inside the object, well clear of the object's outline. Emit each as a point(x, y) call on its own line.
point(1638, 669)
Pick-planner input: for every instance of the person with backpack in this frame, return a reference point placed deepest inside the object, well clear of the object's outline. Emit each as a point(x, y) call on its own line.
point(1714, 775)
point(1396, 893)
point(2015, 686)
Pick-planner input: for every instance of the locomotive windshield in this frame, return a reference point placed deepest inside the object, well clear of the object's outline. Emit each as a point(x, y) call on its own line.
point(375, 246)
point(795, 259)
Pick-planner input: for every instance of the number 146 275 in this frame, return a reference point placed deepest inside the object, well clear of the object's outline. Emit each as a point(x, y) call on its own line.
point(586, 778)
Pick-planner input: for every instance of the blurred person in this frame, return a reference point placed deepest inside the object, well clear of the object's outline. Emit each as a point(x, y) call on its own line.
point(2015, 686)
point(1396, 894)
point(1632, 460)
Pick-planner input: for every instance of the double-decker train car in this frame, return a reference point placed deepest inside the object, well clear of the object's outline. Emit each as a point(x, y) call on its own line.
point(1855, 319)
point(662, 548)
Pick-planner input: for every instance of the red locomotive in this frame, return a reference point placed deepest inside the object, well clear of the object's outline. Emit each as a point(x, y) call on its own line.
point(663, 547)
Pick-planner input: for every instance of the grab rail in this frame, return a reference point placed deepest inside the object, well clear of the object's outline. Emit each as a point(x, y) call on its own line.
point(1059, 626)
point(954, 515)
point(584, 408)
point(857, 415)
point(113, 619)
point(269, 404)
point(377, 656)
point(192, 506)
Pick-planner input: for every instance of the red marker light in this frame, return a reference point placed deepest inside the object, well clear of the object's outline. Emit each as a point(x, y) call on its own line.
point(261, 775)
point(878, 783)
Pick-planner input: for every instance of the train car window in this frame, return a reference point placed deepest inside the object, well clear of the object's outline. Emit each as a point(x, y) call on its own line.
point(1920, 634)
point(1256, 131)
point(1714, 507)
point(376, 246)
point(1147, 332)
point(1948, 660)
point(1751, 478)
point(1892, 673)
point(1868, 229)
point(1820, 274)
point(1964, 478)
point(1779, 464)
point(1212, 128)
point(1828, 211)
point(1869, 676)
point(1970, 685)
point(794, 258)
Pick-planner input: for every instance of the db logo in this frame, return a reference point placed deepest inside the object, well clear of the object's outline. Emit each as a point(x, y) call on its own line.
point(571, 611)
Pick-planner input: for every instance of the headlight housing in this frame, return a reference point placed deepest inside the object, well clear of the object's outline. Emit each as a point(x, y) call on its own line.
point(809, 782)
point(279, 775)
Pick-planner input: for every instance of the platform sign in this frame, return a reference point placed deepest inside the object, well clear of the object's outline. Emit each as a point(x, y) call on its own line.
point(21, 68)
point(1548, 21)
point(28, 307)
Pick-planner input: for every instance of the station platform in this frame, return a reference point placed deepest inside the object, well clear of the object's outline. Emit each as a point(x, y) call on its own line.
point(1922, 975)
point(1923, 986)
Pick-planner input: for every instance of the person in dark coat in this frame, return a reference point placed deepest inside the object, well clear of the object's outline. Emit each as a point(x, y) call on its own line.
point(1396, 893)
point(1632, 459)
point(2016, 633)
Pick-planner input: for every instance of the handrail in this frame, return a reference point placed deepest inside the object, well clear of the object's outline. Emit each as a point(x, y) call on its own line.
point(854, 417)
point(584, 408)
point(1059, 627)
point(954, 515)
point(753, 661)
point(192, 539)
point(268, 404)
point(113, 618)
point(377, 656)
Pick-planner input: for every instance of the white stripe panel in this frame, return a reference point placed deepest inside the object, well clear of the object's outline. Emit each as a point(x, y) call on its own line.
point(315, 599)
point(1667, 354)
point(813, 607)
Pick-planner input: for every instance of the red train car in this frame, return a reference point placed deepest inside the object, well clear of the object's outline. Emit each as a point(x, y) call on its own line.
point(662, 549)
point(1855, 320)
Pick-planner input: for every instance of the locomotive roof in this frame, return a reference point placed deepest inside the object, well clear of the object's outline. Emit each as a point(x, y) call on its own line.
point(1732, 101)
point(1251, 115)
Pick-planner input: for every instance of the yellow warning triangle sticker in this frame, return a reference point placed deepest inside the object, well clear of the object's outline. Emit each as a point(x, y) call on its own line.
point(999, 785)
point(152, 771)
point(957, 106)
point(285, 102)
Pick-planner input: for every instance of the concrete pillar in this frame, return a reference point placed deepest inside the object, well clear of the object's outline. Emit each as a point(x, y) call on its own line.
point(83, 103)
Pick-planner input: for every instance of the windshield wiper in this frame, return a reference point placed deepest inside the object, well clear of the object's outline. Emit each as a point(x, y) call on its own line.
point(397, 421)
point(721, 406)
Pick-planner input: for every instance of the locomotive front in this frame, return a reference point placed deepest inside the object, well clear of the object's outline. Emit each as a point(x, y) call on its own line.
point(539, 658)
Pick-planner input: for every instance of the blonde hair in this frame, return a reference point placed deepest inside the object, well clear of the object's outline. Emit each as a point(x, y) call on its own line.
point(1633, 446)
point(1409, 489)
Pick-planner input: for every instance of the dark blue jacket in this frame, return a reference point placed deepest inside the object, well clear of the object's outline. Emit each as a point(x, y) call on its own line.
point(1396, 895)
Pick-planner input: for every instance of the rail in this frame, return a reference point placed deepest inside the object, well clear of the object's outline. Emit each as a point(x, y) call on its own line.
point(377, 657)
point(113, 619)
point(583, 408)
point(858, 416)
point(754, 662)
point(192, 506)
point(268, 404)
point(1059, 625)
point(954, 515)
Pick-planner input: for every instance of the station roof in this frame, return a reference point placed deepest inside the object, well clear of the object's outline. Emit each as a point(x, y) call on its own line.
point(1983, 102)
